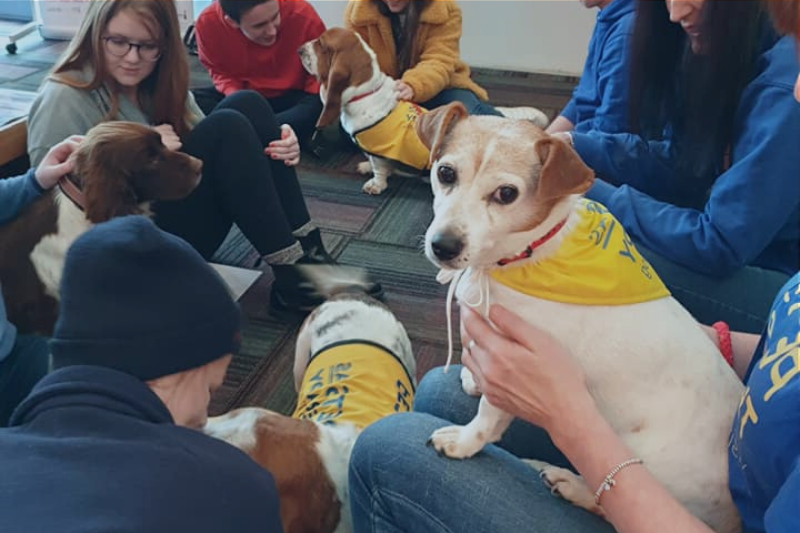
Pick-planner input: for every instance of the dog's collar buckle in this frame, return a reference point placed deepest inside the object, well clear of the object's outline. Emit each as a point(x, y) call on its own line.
point(71, 191)
point(527, 252)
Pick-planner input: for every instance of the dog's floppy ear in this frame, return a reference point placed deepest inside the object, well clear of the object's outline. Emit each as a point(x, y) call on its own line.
point(106, 187)
point(434, 125)
point(563, 170)
point(337, 80)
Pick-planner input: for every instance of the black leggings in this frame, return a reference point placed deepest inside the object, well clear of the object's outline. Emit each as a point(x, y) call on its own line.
point(298, 109)
point(240, 183)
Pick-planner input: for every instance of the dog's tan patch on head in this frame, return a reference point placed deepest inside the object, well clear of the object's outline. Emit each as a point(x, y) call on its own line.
point(498, 187)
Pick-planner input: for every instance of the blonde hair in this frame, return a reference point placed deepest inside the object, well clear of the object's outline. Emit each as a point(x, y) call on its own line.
point(164, 91)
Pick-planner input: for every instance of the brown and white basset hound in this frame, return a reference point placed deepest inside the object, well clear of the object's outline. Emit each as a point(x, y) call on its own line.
point(119, 168)
point(354, 87)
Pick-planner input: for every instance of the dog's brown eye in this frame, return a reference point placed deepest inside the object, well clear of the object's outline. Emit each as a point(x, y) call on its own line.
point(446, 175)
point(505, 194)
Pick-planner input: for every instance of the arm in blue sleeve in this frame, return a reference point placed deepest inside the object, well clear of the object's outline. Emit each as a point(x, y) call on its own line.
point(16, 194)
point(611, 116)
point(748, 205)
point(782, 515)
point(570, 111)
point(625, 158)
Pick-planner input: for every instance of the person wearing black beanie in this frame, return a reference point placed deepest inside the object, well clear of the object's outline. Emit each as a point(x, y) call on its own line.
point(109, 440)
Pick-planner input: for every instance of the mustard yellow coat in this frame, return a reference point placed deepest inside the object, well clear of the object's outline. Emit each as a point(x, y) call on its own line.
point(439, 65)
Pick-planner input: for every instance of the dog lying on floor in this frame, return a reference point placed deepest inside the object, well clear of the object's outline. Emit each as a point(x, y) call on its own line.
point(354, 87)
point(511, 227)
point(120, 167)
point(353, 365)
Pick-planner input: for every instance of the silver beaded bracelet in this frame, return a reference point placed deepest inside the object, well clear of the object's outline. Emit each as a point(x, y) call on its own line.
point(609, 482)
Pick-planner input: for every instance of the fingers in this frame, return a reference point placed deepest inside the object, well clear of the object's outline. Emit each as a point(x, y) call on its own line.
point(169, 138)
point(61, 151)
point(477, 328)
point(516, 328)
point(287, 149)
point(63, 168)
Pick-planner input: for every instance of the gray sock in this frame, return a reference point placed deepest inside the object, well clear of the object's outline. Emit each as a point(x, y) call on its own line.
point(286, 256)
point(304, 230)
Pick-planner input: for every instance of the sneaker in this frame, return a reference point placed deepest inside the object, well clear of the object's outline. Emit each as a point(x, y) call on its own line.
point(525, 113)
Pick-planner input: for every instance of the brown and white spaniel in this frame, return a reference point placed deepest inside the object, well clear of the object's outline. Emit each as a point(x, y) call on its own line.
point(120, 167)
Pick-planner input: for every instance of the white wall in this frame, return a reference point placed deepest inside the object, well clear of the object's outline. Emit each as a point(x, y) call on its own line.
point(523, 35)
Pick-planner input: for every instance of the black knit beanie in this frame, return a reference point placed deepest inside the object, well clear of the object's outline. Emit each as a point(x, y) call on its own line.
point(141, 301)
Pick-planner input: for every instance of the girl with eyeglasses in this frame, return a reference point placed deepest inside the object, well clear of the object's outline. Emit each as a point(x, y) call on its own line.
point(127, 62)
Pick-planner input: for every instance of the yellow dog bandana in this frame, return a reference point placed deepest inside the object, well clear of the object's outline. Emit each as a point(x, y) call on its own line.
point(395, 137)
point(357, 382)
point(597, 264)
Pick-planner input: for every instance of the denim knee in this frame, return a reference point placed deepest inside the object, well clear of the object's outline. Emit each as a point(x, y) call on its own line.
point(440, 394)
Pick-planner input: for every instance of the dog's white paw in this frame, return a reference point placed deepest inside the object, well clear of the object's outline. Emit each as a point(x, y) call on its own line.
point(468, 382)
point(365, 167)
point(567, 484)
point(455, 442)
point(374, 186)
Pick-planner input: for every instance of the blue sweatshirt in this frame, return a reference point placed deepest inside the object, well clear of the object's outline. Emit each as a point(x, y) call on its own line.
point(15, 194)
point(94, 449)
point(600, 101)
point(764, 449)
point(751, 215)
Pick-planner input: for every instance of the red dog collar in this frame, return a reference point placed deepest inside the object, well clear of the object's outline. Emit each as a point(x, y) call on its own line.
point(534, 245)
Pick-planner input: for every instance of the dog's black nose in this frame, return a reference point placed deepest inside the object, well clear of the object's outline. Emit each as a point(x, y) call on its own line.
point(446, 246)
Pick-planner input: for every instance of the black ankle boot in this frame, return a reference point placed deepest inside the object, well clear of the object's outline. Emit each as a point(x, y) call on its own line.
point(295, 290)
point(292, 290)
point(314, 248)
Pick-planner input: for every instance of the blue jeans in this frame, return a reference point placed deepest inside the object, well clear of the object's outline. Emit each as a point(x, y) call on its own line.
point(397, 483)
point(743, 299)
point(474, 105)
point(27, 363)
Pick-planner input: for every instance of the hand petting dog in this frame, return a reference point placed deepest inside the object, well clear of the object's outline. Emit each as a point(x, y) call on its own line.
point(522, 369)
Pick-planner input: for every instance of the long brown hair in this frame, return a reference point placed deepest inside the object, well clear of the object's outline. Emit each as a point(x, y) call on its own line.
point(164, 91)
point(786, 16)
point(675, 89)
point(406, 48)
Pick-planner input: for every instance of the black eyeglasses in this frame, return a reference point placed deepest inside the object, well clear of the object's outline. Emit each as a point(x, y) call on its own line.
point(120, 47)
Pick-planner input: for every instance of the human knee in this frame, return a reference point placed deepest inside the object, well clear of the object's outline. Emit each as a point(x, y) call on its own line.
point(390, 438)
point(440, 394)
point(248, 102)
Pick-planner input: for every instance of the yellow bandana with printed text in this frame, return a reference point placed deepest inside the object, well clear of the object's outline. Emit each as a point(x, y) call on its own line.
point(355, 382)
point(597, 264)
point(395, 137)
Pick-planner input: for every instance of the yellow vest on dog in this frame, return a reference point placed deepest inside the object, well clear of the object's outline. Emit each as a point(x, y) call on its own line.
point(597, 264)
point(395, 137)
point(356, 382)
